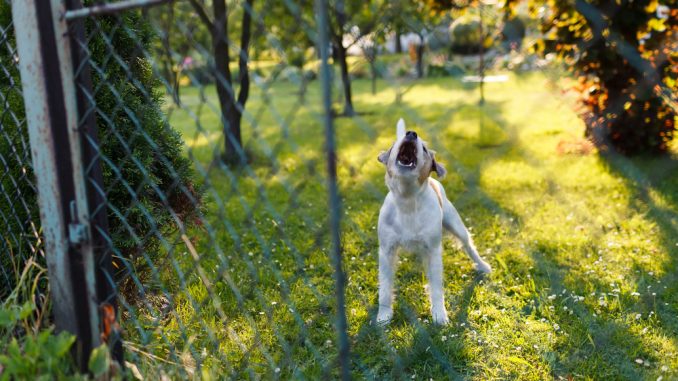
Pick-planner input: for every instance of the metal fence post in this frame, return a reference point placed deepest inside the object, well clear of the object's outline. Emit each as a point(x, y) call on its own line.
point(105, 285)
point(332, 189)
point(51, 113)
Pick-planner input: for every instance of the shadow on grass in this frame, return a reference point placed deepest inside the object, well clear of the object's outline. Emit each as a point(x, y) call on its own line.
point(602, 332)
point(655, 185)
point(612, 343)
point(601, 356)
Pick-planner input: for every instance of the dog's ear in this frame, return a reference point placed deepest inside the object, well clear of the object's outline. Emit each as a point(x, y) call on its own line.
point(383, 156)
point(400, 129)
point(437, 167)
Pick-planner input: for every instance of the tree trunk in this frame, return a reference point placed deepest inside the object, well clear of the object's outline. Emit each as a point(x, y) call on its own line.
point(243, 59)
point(224, 83)
point(345, 78)
point(420, 57)
point(302, 88)
point(398, 43)
point(337, 37)
point(481, 61)
point(373, 70)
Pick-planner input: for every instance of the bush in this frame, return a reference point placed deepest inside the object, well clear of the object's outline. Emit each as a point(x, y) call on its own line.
point(624, 56)
point(31, 350)
point(34, 356)
point(512, 33)
point(199, 75)
point(140, 151)
point(446, 69)
point(438, 39)
point(145, 171)
point(400, 68)
point(465, 35)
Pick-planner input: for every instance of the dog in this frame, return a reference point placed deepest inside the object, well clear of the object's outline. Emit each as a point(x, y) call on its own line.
point(414, 216)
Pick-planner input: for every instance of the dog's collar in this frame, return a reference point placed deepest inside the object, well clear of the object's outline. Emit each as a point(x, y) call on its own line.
point(437, 190)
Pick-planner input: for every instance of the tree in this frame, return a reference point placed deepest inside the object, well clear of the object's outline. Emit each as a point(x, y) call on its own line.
point(624, 54)
point(231, 106)
point(370, 50)
point(180, 33)
point(356, 18)
point(418, 17)
point(290, 36)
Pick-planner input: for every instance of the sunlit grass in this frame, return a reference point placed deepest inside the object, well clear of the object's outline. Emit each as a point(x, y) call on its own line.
point(584, 249)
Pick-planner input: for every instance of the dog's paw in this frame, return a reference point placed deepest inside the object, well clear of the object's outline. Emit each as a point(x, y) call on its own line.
point(384, 316)
point(484, 267)
point(439, 316)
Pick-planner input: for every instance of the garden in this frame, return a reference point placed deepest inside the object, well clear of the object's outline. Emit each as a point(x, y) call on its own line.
point(555, 123)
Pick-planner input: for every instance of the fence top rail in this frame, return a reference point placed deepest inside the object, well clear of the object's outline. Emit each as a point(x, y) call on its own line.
point(110, 8)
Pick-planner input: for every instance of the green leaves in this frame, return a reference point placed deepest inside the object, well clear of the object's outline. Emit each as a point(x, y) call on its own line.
point(99, 361)
point(624, 49)
point(38, 356)
point(11, 314)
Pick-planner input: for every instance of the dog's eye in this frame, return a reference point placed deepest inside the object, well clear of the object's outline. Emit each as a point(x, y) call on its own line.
point(425, 150)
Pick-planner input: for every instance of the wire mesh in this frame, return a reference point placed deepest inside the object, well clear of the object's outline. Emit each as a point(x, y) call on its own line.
point(218, 226)
point(239, 278)
point(18, 212)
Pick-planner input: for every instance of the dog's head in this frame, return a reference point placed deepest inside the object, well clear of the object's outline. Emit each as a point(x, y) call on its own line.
point(409, 158)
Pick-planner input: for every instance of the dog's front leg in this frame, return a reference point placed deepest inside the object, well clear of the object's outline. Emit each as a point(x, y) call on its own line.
point(434, 272)
point(387, 267)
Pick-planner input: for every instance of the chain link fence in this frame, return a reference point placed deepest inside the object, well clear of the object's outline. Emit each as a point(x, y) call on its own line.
point(21, 238)
point(219, 236)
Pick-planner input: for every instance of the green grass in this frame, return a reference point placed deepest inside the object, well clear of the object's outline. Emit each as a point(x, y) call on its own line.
point(584, 248)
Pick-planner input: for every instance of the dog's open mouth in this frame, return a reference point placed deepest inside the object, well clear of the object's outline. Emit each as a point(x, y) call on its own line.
point(407, 155)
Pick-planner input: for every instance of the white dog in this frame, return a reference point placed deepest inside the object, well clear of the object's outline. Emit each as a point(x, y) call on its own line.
point(413, 217)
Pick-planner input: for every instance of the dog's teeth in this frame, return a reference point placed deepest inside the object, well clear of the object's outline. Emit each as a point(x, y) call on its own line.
point(410, 164)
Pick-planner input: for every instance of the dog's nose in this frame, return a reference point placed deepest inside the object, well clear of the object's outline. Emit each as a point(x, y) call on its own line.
point(411, 135)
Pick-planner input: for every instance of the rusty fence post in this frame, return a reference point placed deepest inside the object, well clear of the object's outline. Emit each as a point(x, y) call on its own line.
point(47, 77)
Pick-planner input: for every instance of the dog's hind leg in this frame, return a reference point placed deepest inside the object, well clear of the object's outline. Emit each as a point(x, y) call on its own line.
point(388, 259)
point(452, 223)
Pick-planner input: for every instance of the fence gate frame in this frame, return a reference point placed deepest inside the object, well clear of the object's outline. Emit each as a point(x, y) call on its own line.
point(55, 78)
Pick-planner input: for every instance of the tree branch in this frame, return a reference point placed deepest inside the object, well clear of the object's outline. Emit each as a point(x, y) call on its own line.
point(202, 14)
point(244, 53)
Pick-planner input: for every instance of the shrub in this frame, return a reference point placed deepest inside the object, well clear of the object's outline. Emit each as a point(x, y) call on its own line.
point(41, 355)
point(446, 69)
point(146, 173)
point(438, 38)
point(512, 33)
point(141, 153)
point(199, 75)
point(31, 350)
point(624, 56)
point(465, 35)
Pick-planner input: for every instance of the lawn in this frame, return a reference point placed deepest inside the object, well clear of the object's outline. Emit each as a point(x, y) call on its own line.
point(584, 248)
